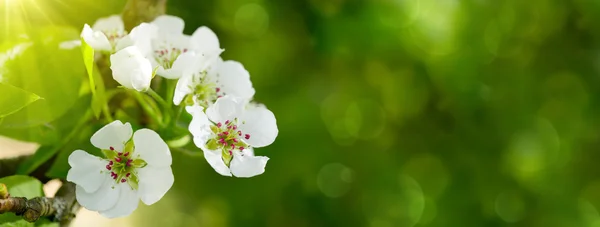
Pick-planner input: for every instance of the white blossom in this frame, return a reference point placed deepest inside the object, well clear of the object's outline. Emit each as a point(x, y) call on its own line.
point(108, 34)
point(131, 69)
point(176, 54)
point(228, 132)
point(222, 78)
point(137, 167)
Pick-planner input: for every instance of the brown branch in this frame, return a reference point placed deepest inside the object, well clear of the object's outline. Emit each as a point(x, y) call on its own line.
point(138, 11)
point(8, 167)
point(61, 208)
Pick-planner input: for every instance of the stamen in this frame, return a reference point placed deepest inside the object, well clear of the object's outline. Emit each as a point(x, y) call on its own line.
point(226, 133)
point(239, 133)
point(112, 148)
point(129, 162)
point(234, 127)
point(230, 152)
point(218, 89)
point(108, 167)
point(127, 175)
point(247, 136)
point(126, 154)
point(219, 124)
point(110, 162)
point(235, 140)
point(118, 159)
point(123, 180)
point(227, 122)
point(120, 153)
point(241, 148)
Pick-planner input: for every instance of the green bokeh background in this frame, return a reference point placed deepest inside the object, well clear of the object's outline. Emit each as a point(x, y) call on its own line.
point(397, 112)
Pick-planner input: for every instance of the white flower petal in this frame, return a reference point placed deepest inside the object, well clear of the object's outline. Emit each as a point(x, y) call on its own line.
point(186, 63)
point(248, 151)
point(235, 80)
point(86, 170)
point(115, 135)
point(151, 148)
point(204, 40)
point(209, 61)
point(154, 183)
point(168, 73)
point(131, 69)
point(199, 126)
point(96, 39)
point(214, 159)
point(128, 202)
point(195, 109)
point(247, 165)
point(141, 37)
point(112, 23)
point(102, 199)
point(225, 108)
point(169, 24)
point(183, 88)
point(260, 123)
point(168, 41)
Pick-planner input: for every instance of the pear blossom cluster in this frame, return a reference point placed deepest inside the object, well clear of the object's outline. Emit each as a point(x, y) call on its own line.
point(227, 125)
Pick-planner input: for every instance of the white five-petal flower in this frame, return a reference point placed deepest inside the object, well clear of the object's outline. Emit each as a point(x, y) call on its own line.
point(131, 69)
point(176, 54)
point(222, 78)
point(108, 34)
point(227, 133)
point(137, 167)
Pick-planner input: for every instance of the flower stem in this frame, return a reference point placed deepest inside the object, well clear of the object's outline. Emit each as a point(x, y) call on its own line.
point(188, 152)
point(157, 97)
point(147, 108)
point(177, 115)
point(170, 91)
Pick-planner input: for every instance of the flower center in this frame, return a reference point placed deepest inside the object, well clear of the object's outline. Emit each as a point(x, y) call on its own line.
point(114, 36)
point(123, 165)
point(204, 90)
point(166, 55)
point(228, 138)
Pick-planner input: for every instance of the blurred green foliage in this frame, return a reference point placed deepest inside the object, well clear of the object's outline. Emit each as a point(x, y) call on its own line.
point(394, 112)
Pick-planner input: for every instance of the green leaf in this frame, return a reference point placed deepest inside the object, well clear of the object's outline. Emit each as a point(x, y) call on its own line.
point(37, 64)
point(81, 141)
point(22, 186)
point(53, 132)
point(13, 99)
point(42, 154)
point(12, 220)
point(95, 80)
point(88, 60)
point(46, 223)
